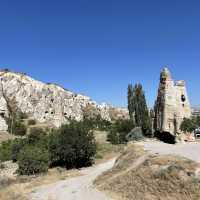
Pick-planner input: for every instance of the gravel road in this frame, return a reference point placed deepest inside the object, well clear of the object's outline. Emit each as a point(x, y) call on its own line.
point(188, 150)
point(76, 188)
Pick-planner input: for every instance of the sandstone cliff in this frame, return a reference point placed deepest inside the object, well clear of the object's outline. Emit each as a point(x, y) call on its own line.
point(48, 103)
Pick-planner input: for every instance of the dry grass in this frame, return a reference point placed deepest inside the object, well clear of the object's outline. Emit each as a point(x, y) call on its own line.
point(105, 150)
point(14, 192)
point(157, 178)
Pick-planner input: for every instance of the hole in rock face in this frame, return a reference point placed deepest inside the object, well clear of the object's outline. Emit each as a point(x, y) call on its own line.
point(183, 105)
point(52, 112)
point(183, 98)
point(46, 112)
point(2, 114)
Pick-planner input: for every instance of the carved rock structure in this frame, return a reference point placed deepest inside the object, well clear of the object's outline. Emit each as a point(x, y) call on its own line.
point(47, 103)
point(172, 104)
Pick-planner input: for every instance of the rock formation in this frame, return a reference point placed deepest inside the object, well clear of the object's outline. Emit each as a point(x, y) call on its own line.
point(172, 104)
point(47, 103)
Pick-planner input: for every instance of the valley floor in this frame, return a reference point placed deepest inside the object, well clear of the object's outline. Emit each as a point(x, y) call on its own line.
point(81, 187)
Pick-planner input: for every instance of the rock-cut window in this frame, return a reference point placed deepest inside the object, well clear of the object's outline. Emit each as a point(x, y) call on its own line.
point(183, 98)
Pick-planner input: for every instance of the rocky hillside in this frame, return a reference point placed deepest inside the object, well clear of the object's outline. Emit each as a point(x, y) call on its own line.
point(48, 103)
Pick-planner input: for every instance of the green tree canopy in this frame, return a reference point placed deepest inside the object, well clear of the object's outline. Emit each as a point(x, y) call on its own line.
point(138, 109)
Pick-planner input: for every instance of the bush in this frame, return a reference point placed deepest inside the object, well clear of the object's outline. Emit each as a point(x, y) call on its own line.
point(189, 124)
point(31, 122)
point(21, 115)
point(72, 146)
point(19, 128)
point(119, 130)
point(32, 160)
point(15, 123)
point(16, 147)
point(6, 151)
point(97, 123)
point(38, 136)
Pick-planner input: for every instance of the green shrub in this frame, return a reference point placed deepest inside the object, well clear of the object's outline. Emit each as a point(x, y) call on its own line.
point(38, 136)
point(97, 123)
point(32, 160)
point(72, 146)
point(19, 128)
point(6, 151)
point(15, 123)
point(119, 130)
point(31, 122)
point(189, 124)
point(21, 115)
point(16, 147)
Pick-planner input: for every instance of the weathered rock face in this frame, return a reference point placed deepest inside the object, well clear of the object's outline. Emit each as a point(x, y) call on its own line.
point(172, 104)
point(45, 102)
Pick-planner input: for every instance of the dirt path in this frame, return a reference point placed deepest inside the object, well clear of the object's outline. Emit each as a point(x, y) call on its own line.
point(77, 188)
point(188, 150)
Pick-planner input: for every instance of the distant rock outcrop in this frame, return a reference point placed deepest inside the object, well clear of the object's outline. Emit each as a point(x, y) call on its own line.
point(48, 103)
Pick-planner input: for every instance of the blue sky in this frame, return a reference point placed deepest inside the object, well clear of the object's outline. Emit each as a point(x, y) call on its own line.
point(97, 47)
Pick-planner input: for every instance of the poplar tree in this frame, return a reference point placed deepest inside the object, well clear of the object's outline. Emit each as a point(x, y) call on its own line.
point(137, 107)
point(130, 101)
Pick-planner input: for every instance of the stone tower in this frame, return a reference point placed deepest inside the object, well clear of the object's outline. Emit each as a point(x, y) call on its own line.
point(172, 104)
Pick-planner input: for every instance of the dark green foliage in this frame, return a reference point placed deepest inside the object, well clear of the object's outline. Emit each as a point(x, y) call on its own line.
point(135, 134)
point(189, 125)
point(119, 130)
point(17, 146)
point(15, 123)
point(97, 123)
point(130, 101)
point(6, 151)
point(138, 109)
point(31, 122)
point(39, 137)
point(18, 128)
point(20, 115)
point(72, 145)
point(32, 160)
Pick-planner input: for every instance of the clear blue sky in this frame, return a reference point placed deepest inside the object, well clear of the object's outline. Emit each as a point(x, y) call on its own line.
point(97, 47)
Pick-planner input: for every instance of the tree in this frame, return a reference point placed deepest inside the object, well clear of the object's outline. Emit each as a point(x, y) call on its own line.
point(137, 105)
point(130, 101)
point(189, 125)
point(119, 130)
point(73, 145)
point(32, 160)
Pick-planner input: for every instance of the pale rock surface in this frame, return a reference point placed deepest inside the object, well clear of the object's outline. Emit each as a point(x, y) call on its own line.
point(172, 104)
point(46, 102)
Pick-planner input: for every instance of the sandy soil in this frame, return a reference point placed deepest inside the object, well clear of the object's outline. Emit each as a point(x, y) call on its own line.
point(77, 188)
point(188, 150)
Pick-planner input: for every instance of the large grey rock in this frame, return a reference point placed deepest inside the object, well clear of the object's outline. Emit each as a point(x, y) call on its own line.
point(47, 103)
